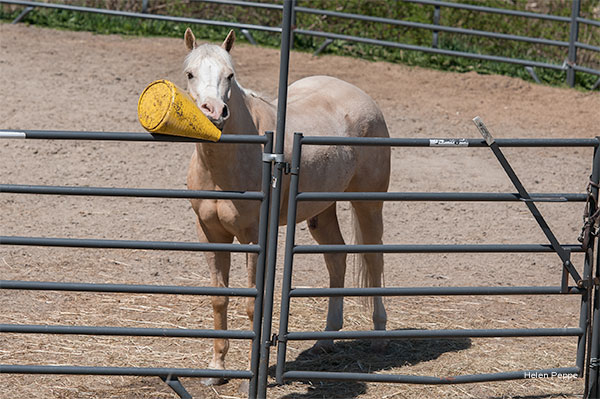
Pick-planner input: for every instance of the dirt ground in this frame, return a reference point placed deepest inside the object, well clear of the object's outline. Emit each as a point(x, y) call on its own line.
point(81, 81)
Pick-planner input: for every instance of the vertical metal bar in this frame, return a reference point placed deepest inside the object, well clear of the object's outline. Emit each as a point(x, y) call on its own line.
point(592, 382)
point(275, 202)
point(290, 240)
point(573, 37)
point(294, 3)
point(260, 266)
point(586, 298)
point(436, 21)
point(144, 6)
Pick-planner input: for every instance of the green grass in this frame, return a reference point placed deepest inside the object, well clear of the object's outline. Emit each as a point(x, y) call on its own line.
point(391, 9)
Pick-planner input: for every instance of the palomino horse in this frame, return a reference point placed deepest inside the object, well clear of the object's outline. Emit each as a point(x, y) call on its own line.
point(317, 105)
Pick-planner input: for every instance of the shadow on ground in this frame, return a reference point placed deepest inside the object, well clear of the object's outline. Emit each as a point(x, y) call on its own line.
point(358, 357)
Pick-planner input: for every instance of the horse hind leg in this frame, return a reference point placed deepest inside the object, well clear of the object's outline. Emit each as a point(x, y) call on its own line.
point(368, 226)
point(325, 229)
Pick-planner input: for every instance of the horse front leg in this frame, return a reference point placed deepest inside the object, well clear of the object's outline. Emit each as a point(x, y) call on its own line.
point(219, 264)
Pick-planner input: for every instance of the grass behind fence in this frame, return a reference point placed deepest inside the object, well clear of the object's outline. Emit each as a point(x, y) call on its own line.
point(389, 9)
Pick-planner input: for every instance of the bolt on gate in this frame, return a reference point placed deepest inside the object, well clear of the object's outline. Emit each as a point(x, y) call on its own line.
point(168, 375)
point(586, 286)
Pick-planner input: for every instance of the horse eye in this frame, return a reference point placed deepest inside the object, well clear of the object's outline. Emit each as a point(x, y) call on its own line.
point(190, 75)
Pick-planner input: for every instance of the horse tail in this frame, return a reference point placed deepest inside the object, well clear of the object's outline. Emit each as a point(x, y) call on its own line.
point(360, 269)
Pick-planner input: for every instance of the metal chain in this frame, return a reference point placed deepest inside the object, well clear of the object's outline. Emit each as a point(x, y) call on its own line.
point(591, 222)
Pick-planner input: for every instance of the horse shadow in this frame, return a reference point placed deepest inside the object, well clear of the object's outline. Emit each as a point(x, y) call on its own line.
point(358, 357)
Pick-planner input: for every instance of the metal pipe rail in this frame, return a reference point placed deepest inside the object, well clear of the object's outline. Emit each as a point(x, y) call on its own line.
point(426, 380)
point(433, 334)
point(122, 136)
point(129, 14)
point(125, 331)
point(431, 291)
point(129, 192)
point(124, 371)
point(432, 248)
point(126, 288)
point(437, 196)
point(459, 143)
point(127, 244)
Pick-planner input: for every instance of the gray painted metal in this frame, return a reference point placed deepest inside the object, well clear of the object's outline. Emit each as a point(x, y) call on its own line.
point(458, 143)
point(129, 192)
point(414, 379)
point(286, 37)
point(442, 197)
point(416, 334)
point(124, 371)
point(127, 244)
point(124, 331)
point(261, 264)
point(433, 248)
point(291, 248)
point(125, 288)
point(431, 291)
point(573, 36)
point(142, 15)
point(288, 257)
point(122, 136)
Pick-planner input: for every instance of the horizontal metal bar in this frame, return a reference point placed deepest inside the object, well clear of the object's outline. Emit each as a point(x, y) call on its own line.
point(243, 3)
point(124, 136)
point(588, 21)
point(491, 10)
point(586, 46)
point(125, 331)
point(127, 244)
point(157, 17)
point(433, 248)
point(564, 372)
point(417, 142)
point(410, 47)
point(125, 288)
point(449, 196)
point(124, 371)
point(586, 70)
point(414, 334)
point(129, 192)
point(433, 27)
point(430, 291)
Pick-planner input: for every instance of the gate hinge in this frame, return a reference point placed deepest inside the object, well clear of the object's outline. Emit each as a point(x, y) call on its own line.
point(594, 363)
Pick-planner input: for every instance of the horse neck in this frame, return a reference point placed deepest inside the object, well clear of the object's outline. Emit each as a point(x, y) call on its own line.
point(234, 164)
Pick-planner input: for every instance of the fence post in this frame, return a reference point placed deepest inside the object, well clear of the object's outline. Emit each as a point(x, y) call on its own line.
point(266, 341)
point(436, 21)
point(573, 35)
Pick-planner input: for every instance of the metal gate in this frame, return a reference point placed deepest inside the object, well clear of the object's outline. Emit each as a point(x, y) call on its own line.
point(584, 286)
point(169, 375)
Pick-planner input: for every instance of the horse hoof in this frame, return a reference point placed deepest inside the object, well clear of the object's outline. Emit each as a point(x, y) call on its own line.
point(380, 346)
point(244, 388)
point(213, 381)
point(322, 347)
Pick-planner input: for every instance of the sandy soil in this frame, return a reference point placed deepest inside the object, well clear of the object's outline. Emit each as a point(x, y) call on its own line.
point(80, 81)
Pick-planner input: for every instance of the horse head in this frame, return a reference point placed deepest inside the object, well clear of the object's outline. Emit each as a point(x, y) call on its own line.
point(210, 76)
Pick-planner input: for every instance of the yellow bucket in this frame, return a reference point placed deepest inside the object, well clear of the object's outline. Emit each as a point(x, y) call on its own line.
point(165, 108)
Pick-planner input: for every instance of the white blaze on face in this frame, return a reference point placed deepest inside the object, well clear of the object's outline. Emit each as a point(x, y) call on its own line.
point(210, 74)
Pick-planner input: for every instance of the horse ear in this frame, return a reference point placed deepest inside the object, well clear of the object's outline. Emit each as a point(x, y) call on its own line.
point(228, 43)
point(190, 39)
